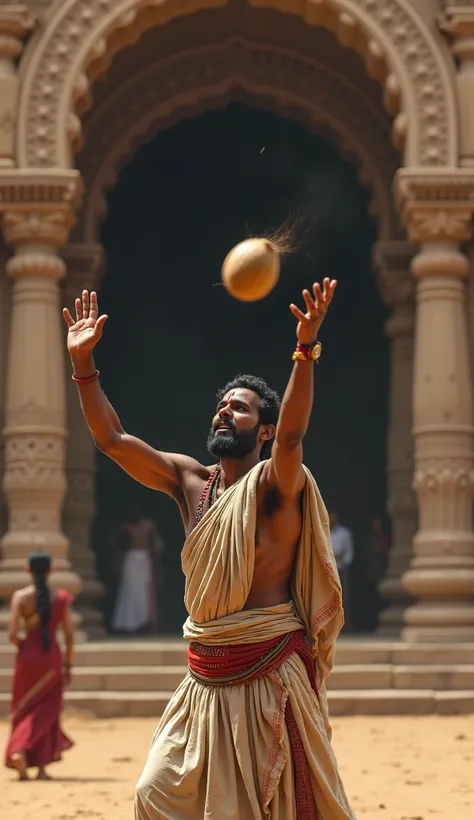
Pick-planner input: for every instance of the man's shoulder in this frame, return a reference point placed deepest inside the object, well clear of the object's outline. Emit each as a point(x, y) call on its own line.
point(189, 465)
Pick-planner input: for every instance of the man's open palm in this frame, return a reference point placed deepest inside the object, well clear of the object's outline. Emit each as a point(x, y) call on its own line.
point(316, 309)
point(86, 331)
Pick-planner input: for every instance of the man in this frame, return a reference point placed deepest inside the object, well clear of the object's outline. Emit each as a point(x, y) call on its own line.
point(343, 547)
point(342, 543)
point(136, 605)
point(246, 735)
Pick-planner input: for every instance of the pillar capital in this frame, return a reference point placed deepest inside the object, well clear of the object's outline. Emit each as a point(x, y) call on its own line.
point(436, 207)
point(16, 23)
point(38, 208)
point(457, 22)
point(37, 211)
point(38, 225)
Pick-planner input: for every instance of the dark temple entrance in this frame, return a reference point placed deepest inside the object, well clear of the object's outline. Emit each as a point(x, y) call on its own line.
point(174, 335)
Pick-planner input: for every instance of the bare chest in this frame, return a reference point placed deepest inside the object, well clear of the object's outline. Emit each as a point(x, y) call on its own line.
point(278, 521)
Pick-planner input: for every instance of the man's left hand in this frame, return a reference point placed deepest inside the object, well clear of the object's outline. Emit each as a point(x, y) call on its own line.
point(316, 309)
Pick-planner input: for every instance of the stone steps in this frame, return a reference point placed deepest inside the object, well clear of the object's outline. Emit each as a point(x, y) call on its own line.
point(344, 677)
point(371, 676)
point(172, 652)
point(363, 702)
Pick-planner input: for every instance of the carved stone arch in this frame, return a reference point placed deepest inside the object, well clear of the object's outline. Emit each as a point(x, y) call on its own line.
point(79, 40)
point(200, 79)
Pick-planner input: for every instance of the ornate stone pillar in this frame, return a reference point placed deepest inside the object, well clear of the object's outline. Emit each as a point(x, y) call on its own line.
point(458, 23)
point(83, 264)
point(397, 287)
point(15, 24)
point(437, 210)
point(37, 210)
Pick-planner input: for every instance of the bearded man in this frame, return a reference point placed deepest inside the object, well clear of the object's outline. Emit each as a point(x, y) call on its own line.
point(246, 735)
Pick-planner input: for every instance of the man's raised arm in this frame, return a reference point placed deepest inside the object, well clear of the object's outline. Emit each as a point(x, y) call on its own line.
point(160, 471)
point(285, 468)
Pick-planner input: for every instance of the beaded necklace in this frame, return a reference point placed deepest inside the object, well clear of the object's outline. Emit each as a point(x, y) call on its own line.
point(209, 492)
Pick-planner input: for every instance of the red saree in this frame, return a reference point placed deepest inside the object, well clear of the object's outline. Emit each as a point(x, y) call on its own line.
point(37, 694)
point(241, 664)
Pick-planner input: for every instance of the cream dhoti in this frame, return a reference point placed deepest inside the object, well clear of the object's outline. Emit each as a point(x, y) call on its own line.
point(257, 747)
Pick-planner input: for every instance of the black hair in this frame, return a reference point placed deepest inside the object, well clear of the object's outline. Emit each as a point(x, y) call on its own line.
point(269, 402)
point(40, 564)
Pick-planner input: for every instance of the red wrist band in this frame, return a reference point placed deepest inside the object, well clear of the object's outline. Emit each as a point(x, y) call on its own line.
point(310, 353)
point(87, 379)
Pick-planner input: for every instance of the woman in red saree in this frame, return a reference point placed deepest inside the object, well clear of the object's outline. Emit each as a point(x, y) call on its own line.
point(36, 737)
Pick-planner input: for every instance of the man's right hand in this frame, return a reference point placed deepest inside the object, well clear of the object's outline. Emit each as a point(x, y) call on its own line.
point(86, 331)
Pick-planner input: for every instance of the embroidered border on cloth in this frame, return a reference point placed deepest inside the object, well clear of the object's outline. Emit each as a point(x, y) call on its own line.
point(324, 615)
point(270, 775)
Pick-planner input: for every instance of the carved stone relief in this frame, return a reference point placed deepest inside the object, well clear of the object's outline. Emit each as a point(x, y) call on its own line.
point(398, 47)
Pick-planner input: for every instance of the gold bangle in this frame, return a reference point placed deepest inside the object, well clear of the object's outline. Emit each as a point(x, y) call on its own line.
point(298, 356)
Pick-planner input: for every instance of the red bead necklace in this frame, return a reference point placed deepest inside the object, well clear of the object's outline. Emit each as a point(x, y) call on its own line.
point(209, 492)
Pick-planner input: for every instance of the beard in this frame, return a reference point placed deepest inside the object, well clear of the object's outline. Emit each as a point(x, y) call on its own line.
point(232, 444)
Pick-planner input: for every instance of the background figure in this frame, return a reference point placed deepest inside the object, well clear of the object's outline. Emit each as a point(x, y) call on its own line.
point(136, 607)
point(343, 548)
point(36, 737)
point(376, 558)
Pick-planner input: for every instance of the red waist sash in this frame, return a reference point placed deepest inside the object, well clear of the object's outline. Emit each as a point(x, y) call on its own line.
point(233, 664)
point(242, 663)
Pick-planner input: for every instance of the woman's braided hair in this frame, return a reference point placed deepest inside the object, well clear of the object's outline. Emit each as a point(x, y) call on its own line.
point(40, 564)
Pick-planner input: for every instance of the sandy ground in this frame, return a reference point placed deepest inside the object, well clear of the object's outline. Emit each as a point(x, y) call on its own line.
point(393, 769)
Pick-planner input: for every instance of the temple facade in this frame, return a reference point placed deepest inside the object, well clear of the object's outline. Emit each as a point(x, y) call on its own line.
point(391, 84)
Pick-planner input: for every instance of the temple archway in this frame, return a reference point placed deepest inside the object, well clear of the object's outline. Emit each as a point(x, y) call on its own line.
point(272, 78)
point(359, 72)
point(183, 228)
point(63, 60)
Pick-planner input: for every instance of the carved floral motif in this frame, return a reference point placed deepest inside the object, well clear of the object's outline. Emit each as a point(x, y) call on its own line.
point(430, 223)
point(437, 207)
point(49, 226)
point(38, 208)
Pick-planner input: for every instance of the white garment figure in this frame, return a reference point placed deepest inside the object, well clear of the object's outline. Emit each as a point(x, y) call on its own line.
point(132, 610)
point(343, 546)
